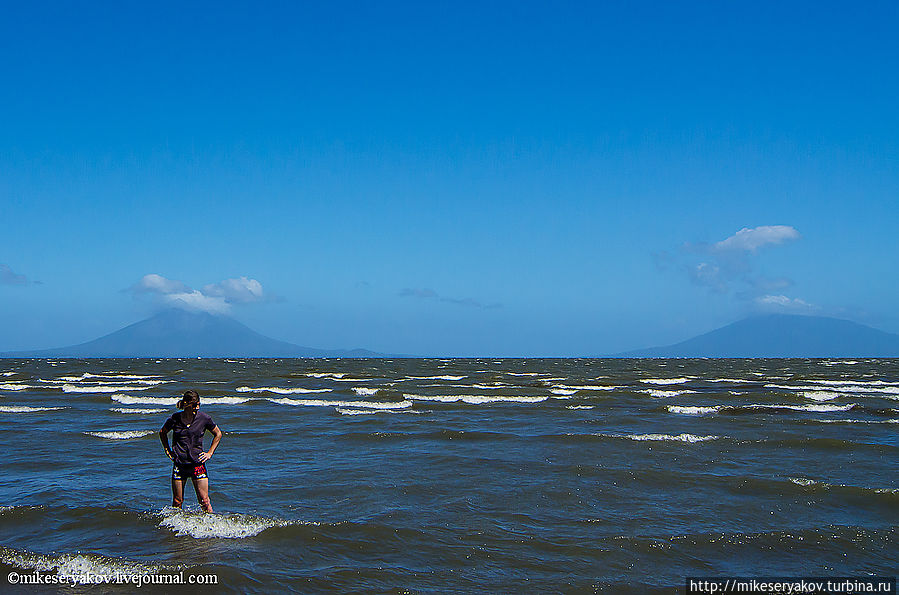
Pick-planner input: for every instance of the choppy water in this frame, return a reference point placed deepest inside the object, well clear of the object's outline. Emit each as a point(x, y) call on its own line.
point(619, 476)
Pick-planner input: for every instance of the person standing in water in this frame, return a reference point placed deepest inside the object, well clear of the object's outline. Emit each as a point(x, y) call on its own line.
point(188, 458)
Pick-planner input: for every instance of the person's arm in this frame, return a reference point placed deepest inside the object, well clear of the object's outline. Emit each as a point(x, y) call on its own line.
point(217, 433)
point(164, 438)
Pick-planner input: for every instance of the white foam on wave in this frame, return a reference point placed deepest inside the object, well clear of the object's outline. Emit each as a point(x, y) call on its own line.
point(24, 409)
point(846, 387)
point(523, 374)
point(858, 421)
point(8, 373)
point(217, 525)
point(173, 401)
point(128, 435)
point(325, 374)
point(586, 386)
point(108, 380)
point(809, 407)
point(688, 410)
point(100, 388)
point(112, 376)
point(579, 407)
point(129, 400)
point(282, 391)
point(820, 395)
point(345, 404)
point(365, 391)
point(475, 399)
point(688, 438)
point(805, 482)
point(494, 386)
point(734, 380)
point(76, 568)
point(562, 391)
point(10, 386)
point(666, 380)
point(137, 411)
point(345, 411)
point(855, 382)
point(666, 393)
point(434, 377)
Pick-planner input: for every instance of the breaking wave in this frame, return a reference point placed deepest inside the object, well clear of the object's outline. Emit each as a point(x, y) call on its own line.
point(282, 391)
point(129, 435)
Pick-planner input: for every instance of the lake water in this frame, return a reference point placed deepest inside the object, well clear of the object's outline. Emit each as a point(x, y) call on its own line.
point(456, 475)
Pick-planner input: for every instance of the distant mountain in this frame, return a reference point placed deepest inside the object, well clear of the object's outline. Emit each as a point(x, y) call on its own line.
point(177, 333)
point(782, 335)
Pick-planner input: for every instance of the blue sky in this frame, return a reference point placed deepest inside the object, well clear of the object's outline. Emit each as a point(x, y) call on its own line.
point(513, 179)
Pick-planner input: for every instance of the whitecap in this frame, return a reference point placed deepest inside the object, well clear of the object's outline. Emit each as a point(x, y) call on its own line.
point(173, 401)
point(666, 380)
point(475, 399)
point(365, 392)
point(562, 391)
point(435, 377)
point(11, 386)
point(282, 391)
point(586, 386)
point(129, 400)
point(346, 411)
point(24, 409)
point(811, 407)
point(857, 421)
point(820, 395)
point(76, 568)
point(140, 411)
point(325, 374)
point(128, 435)
point(666, 393)
point(846, 387)
point(358, 404)
point(688, 438)
point(855, 382)
point(111, 375)
point(686, 410)
point(217, 525)
point(579, 407)
point(102, 388)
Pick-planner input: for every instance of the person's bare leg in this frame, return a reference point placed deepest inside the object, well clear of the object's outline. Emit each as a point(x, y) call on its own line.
point(177, 492)
point(202, 488)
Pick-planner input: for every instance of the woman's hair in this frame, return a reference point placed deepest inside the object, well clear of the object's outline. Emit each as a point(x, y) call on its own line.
point(189, 398)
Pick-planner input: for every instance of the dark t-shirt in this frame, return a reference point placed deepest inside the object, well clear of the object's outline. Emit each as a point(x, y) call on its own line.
point(187, 441)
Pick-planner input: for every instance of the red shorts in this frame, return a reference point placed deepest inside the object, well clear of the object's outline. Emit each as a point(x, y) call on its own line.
point(184, 472)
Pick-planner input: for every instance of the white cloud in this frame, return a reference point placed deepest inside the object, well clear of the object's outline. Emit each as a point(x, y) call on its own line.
point(196, 300)
point(241, 290)
point(752, 239)
point(782, 303)
point(215, 298)
point(154, 283)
